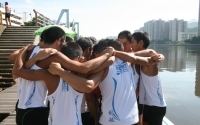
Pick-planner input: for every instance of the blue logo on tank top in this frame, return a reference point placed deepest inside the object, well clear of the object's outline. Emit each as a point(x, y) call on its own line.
point(34, 54)
point(145, 94)
point(19, 92)
point(65, 86)
point(121, 68)
point(76, 110)
point(29, 101)
point(53, 100)
point(159, 95)
point(112, 113)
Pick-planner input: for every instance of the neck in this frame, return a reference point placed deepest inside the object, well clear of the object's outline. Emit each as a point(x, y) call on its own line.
point(47, 46)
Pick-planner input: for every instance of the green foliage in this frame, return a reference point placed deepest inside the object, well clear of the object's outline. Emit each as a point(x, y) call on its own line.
point(194, 40)
point(30, 23)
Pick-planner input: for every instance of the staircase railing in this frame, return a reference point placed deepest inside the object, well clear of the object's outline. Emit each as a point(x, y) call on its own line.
point(1, 18)
point(41, 20)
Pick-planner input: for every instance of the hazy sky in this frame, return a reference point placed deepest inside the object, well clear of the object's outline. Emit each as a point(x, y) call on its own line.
point(101, 18)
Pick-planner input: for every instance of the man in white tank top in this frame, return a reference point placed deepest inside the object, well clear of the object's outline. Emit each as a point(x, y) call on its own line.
point(31, 100)
point(150, 91)
point(86, 45)
point(119, 106)
point(125, 37)
point(65, 100)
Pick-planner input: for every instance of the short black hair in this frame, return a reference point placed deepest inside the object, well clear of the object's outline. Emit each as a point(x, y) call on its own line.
point(125, 34)
point(84, 43)
point(93, 39)
point(94, 50)
point(69, 39)
point(72, 50)
point(6, 3)
point(42, 36)
point(104, 43)
point(144, 36)
point(52, 34)
point(116, 45)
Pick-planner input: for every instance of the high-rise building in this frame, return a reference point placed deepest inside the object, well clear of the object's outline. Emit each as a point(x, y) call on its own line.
point(164, 30)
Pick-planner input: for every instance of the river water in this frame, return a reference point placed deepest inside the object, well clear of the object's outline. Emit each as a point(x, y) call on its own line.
point(180, 75)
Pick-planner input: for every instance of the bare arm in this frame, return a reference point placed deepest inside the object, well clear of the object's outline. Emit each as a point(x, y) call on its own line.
point(20, 71)
point(77, 82)
point(130, 57)
point(107, 63)
point(91, 103)
point(44, 53)
point(74, 65)
point(146, 53)
point(14, 55)
point(34, 75)
point(149, 53)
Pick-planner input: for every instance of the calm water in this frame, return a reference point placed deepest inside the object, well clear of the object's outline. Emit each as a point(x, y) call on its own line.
point(180, 75)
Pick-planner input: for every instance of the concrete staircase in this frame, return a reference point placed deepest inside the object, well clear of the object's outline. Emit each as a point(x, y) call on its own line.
point(11, 39)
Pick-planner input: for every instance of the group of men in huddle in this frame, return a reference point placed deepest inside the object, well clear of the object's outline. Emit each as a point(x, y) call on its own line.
point(73, 83)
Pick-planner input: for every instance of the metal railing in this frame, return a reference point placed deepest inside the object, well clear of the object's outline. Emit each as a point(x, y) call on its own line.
point(41, 20)
point(1, 18)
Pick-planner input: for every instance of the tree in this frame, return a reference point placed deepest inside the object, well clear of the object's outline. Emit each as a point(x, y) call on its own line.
point(30, 23)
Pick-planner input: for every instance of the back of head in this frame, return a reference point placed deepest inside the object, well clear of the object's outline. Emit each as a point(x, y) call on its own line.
point(144, 36)
point(104, 43)
point(125, 34)
point(116, 45)
point(95, 48)
point(94, 51)
point(6, 3)
point(85, 43)
point(69, 39)
point(72, 50)
point(93, 39)
point(52, 34)
point(42, 36)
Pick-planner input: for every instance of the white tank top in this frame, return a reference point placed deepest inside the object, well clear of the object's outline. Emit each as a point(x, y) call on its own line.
point(65, 104)
point(136, 77)
point(32, 94)
point(150, 91)
point(84, 107)
point(119, 105)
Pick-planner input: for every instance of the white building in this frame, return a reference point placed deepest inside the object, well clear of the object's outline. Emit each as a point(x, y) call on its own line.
point(184, 35)
point(164, 30)
point(16, 19)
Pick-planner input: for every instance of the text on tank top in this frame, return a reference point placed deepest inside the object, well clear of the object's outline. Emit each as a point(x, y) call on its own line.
point(65, 104)
point(150, 90)
point(119, 104)
point(32, 94)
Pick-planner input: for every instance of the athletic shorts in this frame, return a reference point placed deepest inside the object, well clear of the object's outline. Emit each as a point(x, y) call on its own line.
point(153, 115)
point(7, 15)
point(32, 116)
point(87, 119)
